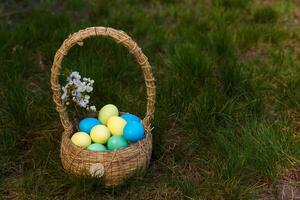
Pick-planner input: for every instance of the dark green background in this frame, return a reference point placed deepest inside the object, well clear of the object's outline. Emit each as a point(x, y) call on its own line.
point(227, 111)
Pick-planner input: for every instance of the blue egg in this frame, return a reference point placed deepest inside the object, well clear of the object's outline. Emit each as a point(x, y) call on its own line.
point(130, 117)
point(133, 131)
point(87, 124)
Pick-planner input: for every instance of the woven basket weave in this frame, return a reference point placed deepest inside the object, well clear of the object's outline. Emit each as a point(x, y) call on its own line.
point(113, 167)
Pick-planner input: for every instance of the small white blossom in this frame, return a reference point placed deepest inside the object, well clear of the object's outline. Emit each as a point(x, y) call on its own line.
point(81, 88)
point(70, 82)
point(87, 97)
point(93, 108)
point(75, 75)
point(69, 79)
point(89, 89)
point(64, 95)
point(83, 103)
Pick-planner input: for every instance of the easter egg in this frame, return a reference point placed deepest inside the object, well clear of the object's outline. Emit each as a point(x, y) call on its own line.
point(116, 125)
point(87, 124)
point(106, 112)
point(81, 139)
point(130, 117)
point(100, 134)
point(133, 131)
point(97, 147)
point(116, 142)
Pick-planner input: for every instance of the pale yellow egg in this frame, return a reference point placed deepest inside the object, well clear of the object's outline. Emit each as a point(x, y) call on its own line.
point(100, 134)
point(106, 112)
point(81, 139)
point(116, 125)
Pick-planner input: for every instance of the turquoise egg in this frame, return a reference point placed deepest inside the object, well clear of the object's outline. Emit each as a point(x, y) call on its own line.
point(116, 142)
point(130, 117)
point(96, 147)
point(87, 124)
point(133, 131)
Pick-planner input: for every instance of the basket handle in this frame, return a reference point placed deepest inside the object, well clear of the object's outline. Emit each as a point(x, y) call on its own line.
point(120, 37)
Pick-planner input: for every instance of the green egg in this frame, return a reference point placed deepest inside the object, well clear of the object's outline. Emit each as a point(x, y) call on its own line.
point(116, 142)
point(96, 147)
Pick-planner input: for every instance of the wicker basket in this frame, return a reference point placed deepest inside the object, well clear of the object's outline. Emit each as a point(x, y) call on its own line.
point(113, 167)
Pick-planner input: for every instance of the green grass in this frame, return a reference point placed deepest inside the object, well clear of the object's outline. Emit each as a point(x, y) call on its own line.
point(265, 14)
point(227, 108)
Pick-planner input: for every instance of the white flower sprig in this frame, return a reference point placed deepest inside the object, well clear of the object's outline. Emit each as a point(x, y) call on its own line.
point(77, 90)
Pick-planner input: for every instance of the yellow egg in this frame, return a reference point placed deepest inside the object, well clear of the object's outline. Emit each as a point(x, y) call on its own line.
point(81, 139)
point(116, 125)
point(100, 134)
point(106, 112)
